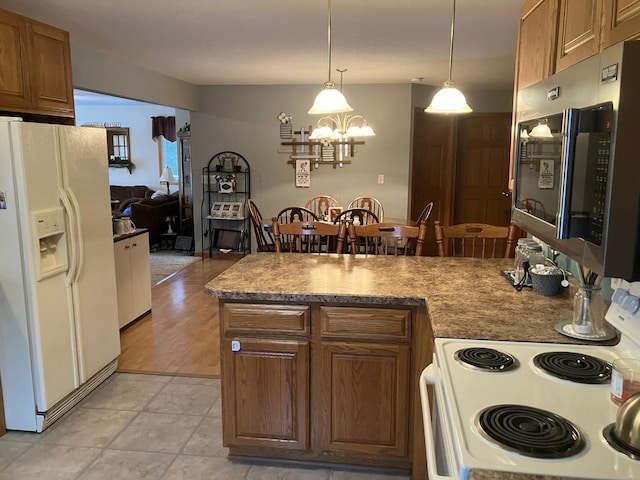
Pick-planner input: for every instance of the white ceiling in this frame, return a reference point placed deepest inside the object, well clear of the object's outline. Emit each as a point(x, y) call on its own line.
point(251, 42)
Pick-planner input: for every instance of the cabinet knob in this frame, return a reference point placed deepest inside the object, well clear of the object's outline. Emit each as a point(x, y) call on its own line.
point(235, 346)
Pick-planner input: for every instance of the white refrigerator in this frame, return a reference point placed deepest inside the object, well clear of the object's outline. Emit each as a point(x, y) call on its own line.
point(59, 335)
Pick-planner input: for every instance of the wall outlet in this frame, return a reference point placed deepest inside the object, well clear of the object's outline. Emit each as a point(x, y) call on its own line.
point(380, 179)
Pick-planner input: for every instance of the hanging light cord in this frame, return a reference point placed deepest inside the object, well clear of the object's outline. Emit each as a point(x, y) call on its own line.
point(453, 23)
point(329, 37)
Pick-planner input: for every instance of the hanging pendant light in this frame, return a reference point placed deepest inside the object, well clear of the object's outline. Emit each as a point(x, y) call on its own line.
point(449, 99)
point(541, 130)
point(330, 99)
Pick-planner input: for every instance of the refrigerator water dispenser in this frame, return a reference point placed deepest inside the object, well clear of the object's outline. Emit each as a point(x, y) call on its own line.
point(50, 232)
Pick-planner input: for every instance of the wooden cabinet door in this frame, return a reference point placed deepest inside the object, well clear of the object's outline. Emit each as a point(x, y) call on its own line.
point(122, 254)
point(578, 31)
point(365, 399)
point(51, 82)
point(140, 274)
point(621, 21)
point(536, 49)
point(14, 74)
point(265, 393)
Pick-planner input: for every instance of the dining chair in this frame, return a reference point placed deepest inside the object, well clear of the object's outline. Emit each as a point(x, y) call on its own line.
point(359, 216)
point(478, 240)
point(534, 207)
point(320, 204)
point(368, 203)
point(296, 214)
point(264, 238)
point(309, 236)
point(425, 214)
point(387, 238)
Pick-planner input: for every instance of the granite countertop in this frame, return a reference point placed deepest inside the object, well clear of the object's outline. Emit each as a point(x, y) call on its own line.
point(465, 297)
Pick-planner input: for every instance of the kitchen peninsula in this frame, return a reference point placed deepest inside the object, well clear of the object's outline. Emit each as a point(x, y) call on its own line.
point(321, 353)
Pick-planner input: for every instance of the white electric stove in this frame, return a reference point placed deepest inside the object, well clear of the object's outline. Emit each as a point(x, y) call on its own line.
point(531, 408)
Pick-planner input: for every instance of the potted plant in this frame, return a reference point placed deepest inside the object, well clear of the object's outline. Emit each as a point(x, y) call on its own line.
point(226, 182)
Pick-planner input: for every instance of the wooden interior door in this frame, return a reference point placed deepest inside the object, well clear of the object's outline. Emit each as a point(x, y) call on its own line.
point(432, 170)
point(482, 169)
point(461, 163)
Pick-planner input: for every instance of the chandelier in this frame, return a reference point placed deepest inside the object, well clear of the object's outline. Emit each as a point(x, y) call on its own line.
point(341, 130)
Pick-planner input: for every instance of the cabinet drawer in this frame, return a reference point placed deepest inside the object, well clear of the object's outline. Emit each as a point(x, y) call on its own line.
point(252, 318)
point(366, 323)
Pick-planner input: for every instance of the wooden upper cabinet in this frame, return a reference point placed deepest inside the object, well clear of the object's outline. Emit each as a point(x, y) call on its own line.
point(35, 79)
point(14, 76)
point(536, 49)
point(50, 54)
point(621, 21)
point(579, 29)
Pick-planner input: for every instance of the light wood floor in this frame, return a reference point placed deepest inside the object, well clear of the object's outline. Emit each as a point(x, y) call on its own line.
point(181, 334)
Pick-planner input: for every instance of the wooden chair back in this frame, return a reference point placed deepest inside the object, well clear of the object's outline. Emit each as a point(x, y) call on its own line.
point(425, 214)
point(387, 239)
point(368, 203)
point(264, 238)
point(364, 217)
point(534, 207)
point(296, 214)
point(320, 204)
point(478, 240)
point(309, 236)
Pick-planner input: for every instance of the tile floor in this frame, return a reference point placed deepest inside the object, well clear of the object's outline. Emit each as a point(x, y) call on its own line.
point(137, 426)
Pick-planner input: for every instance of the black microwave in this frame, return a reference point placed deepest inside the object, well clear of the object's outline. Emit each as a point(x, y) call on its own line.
point(577, 166)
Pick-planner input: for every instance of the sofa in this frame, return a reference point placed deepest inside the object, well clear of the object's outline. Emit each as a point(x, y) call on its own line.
point(146, 208)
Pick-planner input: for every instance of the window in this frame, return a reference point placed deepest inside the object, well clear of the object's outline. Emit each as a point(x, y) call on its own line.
point(170, 155)
point(118, 145)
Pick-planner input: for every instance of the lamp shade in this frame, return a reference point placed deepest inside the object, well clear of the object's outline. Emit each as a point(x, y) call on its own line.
point(541, 130)
point(329, 100)
point(448, 100)
point(167, 175)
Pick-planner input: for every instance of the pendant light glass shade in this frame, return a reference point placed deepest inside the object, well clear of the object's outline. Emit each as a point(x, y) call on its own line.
point(329, 100)
point(541, 130)
point(449, 99)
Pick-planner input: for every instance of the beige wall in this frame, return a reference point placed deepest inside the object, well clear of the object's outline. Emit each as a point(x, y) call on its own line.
point(98, 72)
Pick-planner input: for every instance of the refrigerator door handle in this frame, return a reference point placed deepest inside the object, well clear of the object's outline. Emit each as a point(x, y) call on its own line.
point(72, 235)
point(78, 244)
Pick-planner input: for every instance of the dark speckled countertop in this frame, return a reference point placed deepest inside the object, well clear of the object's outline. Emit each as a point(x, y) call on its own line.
point(465, 297)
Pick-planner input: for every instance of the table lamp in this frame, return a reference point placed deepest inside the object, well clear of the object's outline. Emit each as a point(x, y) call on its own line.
point(167, 177)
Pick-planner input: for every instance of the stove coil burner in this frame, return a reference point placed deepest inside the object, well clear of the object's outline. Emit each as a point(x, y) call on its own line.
point(486, 359)
point(619, 445)
point(575, 367)
point(529, 431)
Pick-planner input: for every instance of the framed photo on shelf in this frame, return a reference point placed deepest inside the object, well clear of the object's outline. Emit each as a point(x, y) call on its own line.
point(216, 208)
